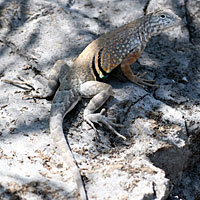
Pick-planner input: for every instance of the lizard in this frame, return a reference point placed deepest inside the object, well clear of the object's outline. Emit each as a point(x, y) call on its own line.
point(118, 48)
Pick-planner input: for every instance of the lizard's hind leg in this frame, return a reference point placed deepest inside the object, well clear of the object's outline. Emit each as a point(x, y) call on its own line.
point(99, 92)
point(59, 70)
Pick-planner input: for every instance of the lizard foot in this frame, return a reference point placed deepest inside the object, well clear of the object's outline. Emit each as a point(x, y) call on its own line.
point(100, 118)
point(141, 81)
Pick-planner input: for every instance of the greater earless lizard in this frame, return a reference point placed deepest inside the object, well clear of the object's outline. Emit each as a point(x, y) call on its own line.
point(120, 47)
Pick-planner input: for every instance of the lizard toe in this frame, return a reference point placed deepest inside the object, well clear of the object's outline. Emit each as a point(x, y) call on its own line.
point(101, 119)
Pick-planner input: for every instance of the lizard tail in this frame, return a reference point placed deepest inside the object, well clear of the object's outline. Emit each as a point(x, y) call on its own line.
point(58, 112)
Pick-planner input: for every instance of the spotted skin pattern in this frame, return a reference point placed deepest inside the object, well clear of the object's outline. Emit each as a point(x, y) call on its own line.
point(124, 44)
point(119, 47)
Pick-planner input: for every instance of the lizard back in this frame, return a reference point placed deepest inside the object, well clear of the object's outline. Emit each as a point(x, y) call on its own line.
point(107, 52)
point(104, 54)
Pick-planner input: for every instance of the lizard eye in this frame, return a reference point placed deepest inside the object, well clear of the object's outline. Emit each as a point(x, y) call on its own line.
point(162, 16)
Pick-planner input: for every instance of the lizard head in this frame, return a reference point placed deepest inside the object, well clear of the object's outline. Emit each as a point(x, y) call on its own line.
point(163, 19)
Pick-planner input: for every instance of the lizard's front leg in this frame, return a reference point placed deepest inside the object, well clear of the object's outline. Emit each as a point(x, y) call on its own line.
point(127, 71)
point(99, 92)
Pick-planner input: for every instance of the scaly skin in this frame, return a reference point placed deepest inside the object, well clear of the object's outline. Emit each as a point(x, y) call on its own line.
point(120, 47)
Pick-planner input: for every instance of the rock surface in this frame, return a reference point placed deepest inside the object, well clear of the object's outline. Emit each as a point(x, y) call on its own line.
point(160, 160)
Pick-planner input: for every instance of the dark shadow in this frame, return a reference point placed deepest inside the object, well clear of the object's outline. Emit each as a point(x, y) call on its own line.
point(8, 194)
point(43, 189)
point(173, 72)
point(33, 38)
point(26, 130)
point(154, 50)
point(19, 16)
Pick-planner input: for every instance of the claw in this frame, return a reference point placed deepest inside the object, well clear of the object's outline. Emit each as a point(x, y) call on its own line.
point(98, 117)
point(107, 123)
point(93, 127)
point(141, 75)
point(141, 81)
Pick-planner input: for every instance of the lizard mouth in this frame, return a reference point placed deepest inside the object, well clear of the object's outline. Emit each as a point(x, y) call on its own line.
point(171, 28)
point(178, 22)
